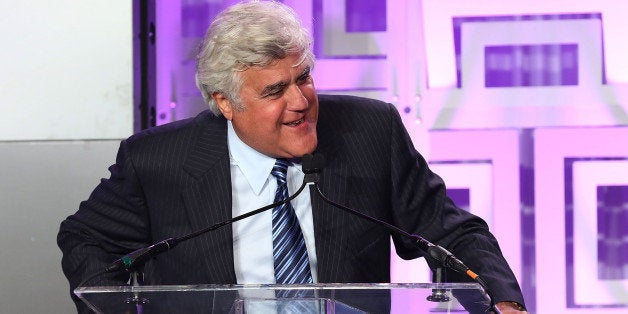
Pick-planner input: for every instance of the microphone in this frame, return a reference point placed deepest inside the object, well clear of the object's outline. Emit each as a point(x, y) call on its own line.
point(138, 257)
point(311, 166)
point(314, 164)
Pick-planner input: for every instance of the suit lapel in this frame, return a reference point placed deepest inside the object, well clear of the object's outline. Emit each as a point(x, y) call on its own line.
point(208, 202)
point(208, 199)
point(330, 222)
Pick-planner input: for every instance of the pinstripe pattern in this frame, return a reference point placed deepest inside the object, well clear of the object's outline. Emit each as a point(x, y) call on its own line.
point(175, 179)
point(292, 264)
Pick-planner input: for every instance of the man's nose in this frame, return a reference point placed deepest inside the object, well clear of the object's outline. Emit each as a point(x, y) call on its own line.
point(296, 99)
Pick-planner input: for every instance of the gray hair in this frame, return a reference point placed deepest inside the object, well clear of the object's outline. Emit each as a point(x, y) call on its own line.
point(245, 35)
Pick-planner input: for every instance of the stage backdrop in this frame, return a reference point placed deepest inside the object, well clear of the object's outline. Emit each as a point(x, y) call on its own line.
point(520, 105)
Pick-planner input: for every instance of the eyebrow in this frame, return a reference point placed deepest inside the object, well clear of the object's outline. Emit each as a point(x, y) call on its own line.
point(272, 88)
point(280, 85)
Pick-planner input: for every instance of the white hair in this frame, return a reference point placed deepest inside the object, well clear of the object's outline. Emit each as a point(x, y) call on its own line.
point(245, 35)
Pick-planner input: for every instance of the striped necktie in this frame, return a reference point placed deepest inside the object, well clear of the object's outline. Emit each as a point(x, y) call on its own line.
point(292, 265)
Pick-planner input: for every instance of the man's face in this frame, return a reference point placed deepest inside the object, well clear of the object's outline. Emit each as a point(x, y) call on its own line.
point(280, 109)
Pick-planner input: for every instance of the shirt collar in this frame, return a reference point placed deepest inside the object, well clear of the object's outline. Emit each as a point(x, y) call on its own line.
point(254, 165)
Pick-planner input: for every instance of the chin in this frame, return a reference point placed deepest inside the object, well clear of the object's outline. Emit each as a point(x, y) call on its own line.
point(309, 148)
point(297, 147)
point(301, 151)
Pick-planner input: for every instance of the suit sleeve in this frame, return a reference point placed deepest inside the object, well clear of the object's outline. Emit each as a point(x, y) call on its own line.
point(420, 204)
point(111, 223)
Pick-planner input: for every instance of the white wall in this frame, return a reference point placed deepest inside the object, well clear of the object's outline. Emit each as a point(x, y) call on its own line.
point(66, 69)
point(66, 98)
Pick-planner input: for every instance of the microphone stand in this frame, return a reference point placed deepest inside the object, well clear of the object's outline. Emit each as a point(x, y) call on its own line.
point(313, 165)
point(436, 252)
point(136, 279)
point(132, 261)
point(438, 295)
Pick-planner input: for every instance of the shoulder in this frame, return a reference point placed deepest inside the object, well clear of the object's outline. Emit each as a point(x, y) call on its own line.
point(177, 129)
point(353, 111)
point(178, 137)
point(352, 103)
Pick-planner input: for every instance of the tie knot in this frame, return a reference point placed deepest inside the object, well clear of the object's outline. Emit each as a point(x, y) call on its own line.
point(280, 168)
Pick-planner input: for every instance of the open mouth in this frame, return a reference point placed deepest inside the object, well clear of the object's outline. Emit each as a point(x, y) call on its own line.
point(295, 123)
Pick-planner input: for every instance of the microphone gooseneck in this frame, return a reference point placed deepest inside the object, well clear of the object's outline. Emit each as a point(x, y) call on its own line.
point(316, 163)
point(138, 257)
point(312, 165)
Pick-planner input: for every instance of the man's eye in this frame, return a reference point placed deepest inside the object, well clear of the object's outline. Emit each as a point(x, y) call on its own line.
point(274, 93)
point(303, 79)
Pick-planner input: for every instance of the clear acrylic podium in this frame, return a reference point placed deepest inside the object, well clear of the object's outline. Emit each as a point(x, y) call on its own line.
point(316, 298)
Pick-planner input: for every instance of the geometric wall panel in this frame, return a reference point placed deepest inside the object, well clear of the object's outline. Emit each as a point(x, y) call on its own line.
point(524, 64)
point(349, 44)
point(491, 173)
point(484, 180)
point(344, 33)
point(612, 219)
point(572, 166)
point(439, 32)
point(518, 49)
point(513, 66)
point(588, 176)
point(526, 71)
point(470, 185)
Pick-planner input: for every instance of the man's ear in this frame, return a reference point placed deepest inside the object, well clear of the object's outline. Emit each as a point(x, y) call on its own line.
point(223, 104)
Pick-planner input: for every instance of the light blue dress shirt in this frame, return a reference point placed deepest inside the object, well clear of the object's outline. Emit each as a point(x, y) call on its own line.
point(253, 187)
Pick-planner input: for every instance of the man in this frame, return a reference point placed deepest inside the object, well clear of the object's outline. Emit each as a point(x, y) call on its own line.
point(253, 69)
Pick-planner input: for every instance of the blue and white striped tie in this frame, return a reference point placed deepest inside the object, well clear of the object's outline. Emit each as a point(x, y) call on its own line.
point(292, 265)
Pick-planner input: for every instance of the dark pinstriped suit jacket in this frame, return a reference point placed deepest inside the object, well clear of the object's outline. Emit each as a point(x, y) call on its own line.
point(175, 179)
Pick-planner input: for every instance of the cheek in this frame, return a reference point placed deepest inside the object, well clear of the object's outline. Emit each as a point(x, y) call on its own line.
point(268, 120)
point(308, 91)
